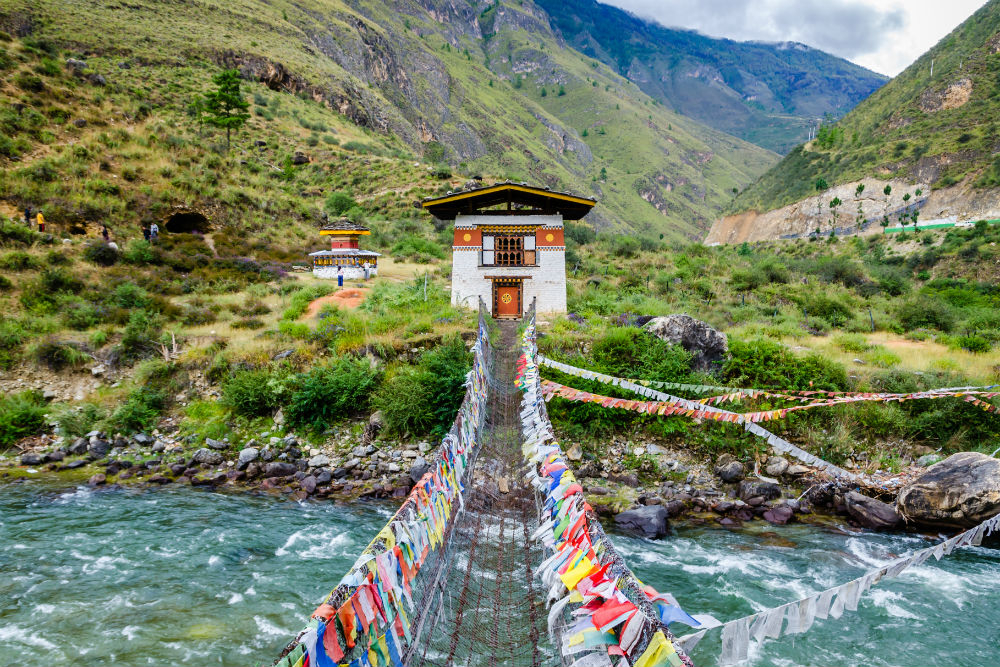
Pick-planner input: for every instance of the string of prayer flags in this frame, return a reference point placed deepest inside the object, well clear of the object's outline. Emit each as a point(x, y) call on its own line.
point(364, 618)
point(732, 393)
point(799, 616)
point(615, 620)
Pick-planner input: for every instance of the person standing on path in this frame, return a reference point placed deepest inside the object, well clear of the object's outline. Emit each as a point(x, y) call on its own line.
point(368, 270)
point(145, 232)
point(105, 233)
point(41, 222)
point(340, 276)
point(154, 232)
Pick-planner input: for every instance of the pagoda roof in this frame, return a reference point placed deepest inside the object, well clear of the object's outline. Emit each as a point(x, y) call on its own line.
point(519, 198)
point(344, 226)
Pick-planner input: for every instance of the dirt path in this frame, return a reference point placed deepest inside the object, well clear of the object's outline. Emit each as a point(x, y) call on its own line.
point(345, 298)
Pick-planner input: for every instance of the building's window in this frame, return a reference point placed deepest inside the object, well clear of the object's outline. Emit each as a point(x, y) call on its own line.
point(508, 250)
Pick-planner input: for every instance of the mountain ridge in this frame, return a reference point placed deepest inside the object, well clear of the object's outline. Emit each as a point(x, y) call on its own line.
point(932, 126)
point(767, 93)
point(508, 101)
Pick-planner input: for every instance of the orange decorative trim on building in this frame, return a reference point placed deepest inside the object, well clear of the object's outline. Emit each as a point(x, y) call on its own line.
point(468, 237)
point(549, 237)
point(343, 232)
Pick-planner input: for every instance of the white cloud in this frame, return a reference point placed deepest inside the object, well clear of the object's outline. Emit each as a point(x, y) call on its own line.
point(883, 35)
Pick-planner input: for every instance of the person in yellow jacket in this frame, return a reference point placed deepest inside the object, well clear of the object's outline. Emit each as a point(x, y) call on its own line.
point(41, 222)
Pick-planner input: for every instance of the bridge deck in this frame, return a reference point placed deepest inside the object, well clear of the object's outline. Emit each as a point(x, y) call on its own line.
point(492, 611)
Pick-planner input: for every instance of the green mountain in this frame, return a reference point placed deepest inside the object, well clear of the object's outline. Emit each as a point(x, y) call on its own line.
point(486, 86)
point(768, 94)
point(934, 123)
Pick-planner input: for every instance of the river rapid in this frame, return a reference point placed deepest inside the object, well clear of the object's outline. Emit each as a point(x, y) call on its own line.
point(181, 576)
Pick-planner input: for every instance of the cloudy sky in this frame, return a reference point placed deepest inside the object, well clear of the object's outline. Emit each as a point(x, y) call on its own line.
point(882, 35)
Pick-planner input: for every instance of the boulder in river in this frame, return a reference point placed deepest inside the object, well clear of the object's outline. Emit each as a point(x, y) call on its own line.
point(779, 514)
point(707, 346)
point(962, 491)
point(871, 513)
point(648, 521)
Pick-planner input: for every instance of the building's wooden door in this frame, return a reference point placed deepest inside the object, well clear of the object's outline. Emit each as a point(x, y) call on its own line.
point(507, 298)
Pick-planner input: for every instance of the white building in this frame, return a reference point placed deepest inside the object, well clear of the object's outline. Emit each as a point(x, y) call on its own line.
point(345, 256)
point(509, 246)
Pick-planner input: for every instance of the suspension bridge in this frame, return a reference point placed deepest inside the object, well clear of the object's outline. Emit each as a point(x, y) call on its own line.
point(495, 558)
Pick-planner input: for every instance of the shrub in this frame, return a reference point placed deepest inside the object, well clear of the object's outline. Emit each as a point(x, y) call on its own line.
point(75, 421)
point(80, 315)
point(880, 357)
point(248, 323)
point(839, 269)
point(974, 343)
point(416, 248)
point(100, 253)
point(926, 311)
point(140, 411)
point(29, 82)
point(632, 353)
point(21, 415)
point(763, 363)
point(18, 261)
point(14, 233)
point(58, 355)
point(339, 203)
point(831, 309)
point(424, 399)
point(625, 246)
point(138, 251)
point(404, 403)
point(249, 392)
point(579, 232)
point(746, 280)
point(326, 393)
point(301, 299)
point(56, 258)
point(130, 295)
point(852, 343)
point(774, 271)
point(140, 335)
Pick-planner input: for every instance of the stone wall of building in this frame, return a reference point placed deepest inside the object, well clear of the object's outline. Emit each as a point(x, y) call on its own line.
point(547, 280)
point(350, 272)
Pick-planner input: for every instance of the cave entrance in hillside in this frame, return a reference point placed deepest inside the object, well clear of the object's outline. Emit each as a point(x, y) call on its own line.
point(187, 222)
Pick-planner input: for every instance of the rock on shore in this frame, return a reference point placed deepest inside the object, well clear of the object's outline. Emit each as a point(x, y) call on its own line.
point(962, 491)
point(649, 521)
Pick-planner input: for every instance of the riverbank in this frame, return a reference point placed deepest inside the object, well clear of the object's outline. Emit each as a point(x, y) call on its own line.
point(631, 485)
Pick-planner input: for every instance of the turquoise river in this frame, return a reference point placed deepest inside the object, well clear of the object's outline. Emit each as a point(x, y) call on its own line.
point(180, 576)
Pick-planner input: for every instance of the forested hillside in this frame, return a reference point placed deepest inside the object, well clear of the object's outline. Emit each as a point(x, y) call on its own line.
point(488, 89)
point(935, 123)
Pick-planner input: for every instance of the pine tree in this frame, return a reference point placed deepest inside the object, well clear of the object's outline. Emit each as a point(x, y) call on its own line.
point(225, 107)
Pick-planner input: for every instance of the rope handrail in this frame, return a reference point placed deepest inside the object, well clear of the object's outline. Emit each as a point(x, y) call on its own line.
point(801, 614)
point(585, 564)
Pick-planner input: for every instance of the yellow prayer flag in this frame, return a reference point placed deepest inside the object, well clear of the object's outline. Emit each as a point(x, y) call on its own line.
point(656, 652)
point(573, 575)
